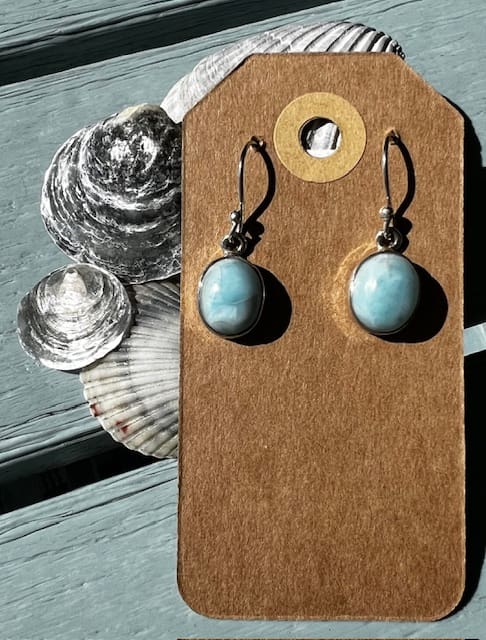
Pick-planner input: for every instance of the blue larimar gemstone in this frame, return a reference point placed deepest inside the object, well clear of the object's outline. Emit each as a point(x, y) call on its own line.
point(231, 296)
point(384, 292)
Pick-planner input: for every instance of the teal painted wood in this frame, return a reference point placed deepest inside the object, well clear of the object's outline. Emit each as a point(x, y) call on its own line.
point(101, 561)
point(475, 339)
point(28, 23)
point(36, 41)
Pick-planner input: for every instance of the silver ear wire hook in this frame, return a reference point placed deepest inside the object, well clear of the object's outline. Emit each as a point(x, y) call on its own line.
point(389, 237)
point(391, 137)
point(235, 242)
point(384, 290)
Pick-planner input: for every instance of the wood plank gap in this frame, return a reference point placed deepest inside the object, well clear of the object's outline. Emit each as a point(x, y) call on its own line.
point(54, 472)
point(56, 455)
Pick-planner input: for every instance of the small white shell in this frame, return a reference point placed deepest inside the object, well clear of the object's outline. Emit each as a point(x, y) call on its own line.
point(134, 391)
point(73, 316)
point(111, 195)
point(291, 38)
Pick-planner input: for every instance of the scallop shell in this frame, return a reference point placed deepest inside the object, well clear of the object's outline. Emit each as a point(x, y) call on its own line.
point(291, 38)
point(112, 193)
point(134, 391)
point(73, 316)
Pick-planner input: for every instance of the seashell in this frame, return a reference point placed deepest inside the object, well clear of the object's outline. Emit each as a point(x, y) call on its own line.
point(134, 391)
point(73, 316)
point(111, 195)
point(291, 38)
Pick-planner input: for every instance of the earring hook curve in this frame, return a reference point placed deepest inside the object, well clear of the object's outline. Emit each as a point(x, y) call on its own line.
point(235, 242)
point(257, 144)
point(389, 237)
point(391, 137)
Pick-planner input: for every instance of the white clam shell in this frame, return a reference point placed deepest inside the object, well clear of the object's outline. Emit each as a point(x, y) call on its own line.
point(134, 391)
point(111, 195)
point(73, 316)
point(292, 38)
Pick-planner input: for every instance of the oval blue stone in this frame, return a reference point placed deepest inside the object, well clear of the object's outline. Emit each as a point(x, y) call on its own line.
point(231, 296)
point(384, 292)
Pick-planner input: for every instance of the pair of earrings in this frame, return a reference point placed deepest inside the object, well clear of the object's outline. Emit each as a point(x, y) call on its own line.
point(383, 292)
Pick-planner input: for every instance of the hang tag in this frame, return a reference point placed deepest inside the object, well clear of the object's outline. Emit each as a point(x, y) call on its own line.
point(322, 468)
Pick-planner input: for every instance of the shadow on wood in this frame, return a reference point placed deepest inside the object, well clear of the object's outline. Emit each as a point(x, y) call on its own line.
point(475, 366)
point(57, 480)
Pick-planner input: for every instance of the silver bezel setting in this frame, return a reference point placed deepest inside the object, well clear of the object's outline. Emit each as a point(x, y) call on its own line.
point(350, 293)
point(257, 319)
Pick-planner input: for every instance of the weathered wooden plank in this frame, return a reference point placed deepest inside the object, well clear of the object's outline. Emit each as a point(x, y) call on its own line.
point(37, 116)
point(475, 339)
point(65, 34)
point(28, 21)
point(100, 562)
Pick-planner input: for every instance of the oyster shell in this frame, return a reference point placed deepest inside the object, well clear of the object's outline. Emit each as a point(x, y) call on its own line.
point(134, 391)
point(111, 195)
point(291, 38)
point(73, 316)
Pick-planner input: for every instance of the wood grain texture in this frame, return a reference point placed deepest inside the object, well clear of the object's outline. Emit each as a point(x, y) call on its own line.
point(30, 22)
point(100, 563)
point(36, 41)
point(118, 590)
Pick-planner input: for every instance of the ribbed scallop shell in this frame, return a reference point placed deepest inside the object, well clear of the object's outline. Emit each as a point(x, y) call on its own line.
point(111, 195)
point(291, 38)
point(134, 391)
point(73, 316)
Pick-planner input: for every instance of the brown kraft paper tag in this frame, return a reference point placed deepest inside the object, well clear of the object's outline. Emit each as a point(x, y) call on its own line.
point(322, 473)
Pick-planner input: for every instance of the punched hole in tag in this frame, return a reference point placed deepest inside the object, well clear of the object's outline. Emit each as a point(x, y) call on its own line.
point(320, 137)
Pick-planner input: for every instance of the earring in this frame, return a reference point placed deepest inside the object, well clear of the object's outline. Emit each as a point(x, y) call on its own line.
point(385, 287)
point(231, 289)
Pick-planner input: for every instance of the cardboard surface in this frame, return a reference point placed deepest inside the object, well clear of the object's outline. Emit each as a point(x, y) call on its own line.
point(322, 474)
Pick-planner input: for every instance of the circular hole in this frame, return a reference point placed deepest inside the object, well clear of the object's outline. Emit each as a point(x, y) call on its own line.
point(320, 137)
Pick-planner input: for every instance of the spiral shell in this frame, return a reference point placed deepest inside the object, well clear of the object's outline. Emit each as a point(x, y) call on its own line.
point(134, 391)
point(111, 196)
point(73, 316)
point(291, 38)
